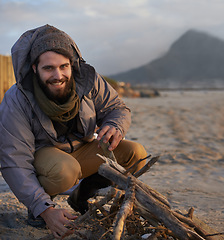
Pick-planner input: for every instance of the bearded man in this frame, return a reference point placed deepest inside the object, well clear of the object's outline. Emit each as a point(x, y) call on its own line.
point(47, 126)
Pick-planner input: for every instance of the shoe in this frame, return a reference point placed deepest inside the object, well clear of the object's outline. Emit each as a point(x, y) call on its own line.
point(37, 222)
point(86, 189)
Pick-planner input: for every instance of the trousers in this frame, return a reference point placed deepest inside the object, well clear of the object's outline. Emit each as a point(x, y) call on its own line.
point(58, 171)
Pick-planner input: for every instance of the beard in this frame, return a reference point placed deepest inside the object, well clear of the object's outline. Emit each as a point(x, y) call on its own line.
point(59, 97)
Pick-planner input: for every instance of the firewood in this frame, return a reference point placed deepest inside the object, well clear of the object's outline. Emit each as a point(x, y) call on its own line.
point(136, 164)
point(125, 209)
point(191, 224)
point(160, 211)
point(106, 152)
point(111, 193)
point(146, 167)
point(146, 188)
point(116, 202)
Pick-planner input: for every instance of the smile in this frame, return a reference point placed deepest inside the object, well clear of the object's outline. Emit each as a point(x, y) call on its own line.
point(56, 83)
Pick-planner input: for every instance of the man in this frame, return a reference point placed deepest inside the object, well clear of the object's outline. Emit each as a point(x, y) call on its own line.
point(47, 125)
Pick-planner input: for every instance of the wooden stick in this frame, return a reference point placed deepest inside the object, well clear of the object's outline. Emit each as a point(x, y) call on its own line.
point(125, 210)
point(190, 212)
point(215, 234)
point(101, 202)
point(108, 216)
point(146, 167)
point(191, 224)
point(106, 152)
point(109, 230)
point(153, 192)
point(115, 205)
point(136, 164)
point(151, 219)
point(193, 235)
point(112, 163)
point(145, 187)
point(103, 192)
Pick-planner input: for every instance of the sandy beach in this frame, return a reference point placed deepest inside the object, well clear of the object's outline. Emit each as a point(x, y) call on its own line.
point(186, 129)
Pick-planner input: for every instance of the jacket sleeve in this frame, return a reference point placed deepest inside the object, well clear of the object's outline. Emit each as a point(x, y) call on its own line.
point(17, 147)
point(110, 109)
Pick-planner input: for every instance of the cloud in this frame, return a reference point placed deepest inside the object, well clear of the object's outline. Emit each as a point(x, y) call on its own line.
point(113, 35)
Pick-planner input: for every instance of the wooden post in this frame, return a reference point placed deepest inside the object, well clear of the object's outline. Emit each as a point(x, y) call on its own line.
point(11, 76)
point(7, 78)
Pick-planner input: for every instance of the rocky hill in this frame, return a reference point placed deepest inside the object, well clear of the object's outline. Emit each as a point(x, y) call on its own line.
point(194, 61)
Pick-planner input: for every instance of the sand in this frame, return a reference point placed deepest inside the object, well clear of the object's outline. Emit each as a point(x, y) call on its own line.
point(187, 130)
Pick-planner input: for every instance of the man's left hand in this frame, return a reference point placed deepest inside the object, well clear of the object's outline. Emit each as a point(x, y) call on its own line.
point(110, 134)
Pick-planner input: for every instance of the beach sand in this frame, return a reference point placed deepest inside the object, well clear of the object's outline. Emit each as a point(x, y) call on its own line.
point(186, 129)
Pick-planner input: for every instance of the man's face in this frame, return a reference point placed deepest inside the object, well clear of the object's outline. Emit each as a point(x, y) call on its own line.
point(54, 76)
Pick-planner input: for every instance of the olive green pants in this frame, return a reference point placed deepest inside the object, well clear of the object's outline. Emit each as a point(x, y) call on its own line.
point(58, 171)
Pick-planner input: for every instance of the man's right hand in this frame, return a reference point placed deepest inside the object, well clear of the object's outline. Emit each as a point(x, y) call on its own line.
point(59, 222)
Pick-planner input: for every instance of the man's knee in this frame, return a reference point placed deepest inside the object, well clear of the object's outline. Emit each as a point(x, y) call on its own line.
point(62, 177)
point(129, 153)
point(138, 150)
point(57, 171)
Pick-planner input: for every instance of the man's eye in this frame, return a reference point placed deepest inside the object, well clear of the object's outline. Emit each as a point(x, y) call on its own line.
point(48, 68)
point(63, 66)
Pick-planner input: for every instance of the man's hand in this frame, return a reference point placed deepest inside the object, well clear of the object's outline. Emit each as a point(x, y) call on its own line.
point(110, 134)
point(58, 221)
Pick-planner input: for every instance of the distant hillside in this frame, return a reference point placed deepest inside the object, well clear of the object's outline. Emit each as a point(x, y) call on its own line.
point(195, 60)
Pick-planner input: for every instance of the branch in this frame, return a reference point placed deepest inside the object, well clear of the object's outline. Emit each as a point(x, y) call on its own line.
point(136, 164)
point(126, 209)
point(145, 187)
point(106, 152)
point(112, 192)
point(146, 167)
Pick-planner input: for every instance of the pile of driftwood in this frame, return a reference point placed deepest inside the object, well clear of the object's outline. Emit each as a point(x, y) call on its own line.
point(131, 202)
point(130, 209)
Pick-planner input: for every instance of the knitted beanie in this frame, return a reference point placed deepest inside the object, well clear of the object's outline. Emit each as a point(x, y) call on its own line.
point(49, 39)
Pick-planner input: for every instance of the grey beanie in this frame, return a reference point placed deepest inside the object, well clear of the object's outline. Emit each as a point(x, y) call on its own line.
point(51, 38)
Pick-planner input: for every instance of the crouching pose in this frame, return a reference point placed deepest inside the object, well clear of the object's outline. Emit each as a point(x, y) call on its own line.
point(47, 124)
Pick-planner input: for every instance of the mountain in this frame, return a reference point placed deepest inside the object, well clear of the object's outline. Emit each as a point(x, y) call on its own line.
point(195, 60)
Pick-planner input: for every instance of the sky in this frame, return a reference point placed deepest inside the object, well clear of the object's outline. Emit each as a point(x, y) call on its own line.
point(113, 35)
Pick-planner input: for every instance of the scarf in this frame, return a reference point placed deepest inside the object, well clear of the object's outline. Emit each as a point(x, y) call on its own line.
point(57, 112)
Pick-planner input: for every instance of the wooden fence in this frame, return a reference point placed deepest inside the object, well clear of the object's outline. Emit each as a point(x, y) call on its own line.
point(7, 78)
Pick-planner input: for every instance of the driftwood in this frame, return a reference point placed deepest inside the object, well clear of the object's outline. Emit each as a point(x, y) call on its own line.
point(125, 209)
point(147, 202)
point(130, 208)
point(152, 205)
point(106, 152)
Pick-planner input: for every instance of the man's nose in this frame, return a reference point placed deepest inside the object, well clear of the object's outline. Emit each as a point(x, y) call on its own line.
point(57, 74)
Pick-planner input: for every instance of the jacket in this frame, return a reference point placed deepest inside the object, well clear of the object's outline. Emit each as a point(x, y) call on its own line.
point(24, 128)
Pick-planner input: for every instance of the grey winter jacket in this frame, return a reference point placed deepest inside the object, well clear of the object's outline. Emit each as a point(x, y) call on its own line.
point(24, 128)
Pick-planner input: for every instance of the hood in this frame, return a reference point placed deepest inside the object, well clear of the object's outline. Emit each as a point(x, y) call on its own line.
point(21, 53)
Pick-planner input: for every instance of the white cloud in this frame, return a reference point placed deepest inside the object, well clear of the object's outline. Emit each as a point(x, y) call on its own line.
point(113, 35)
